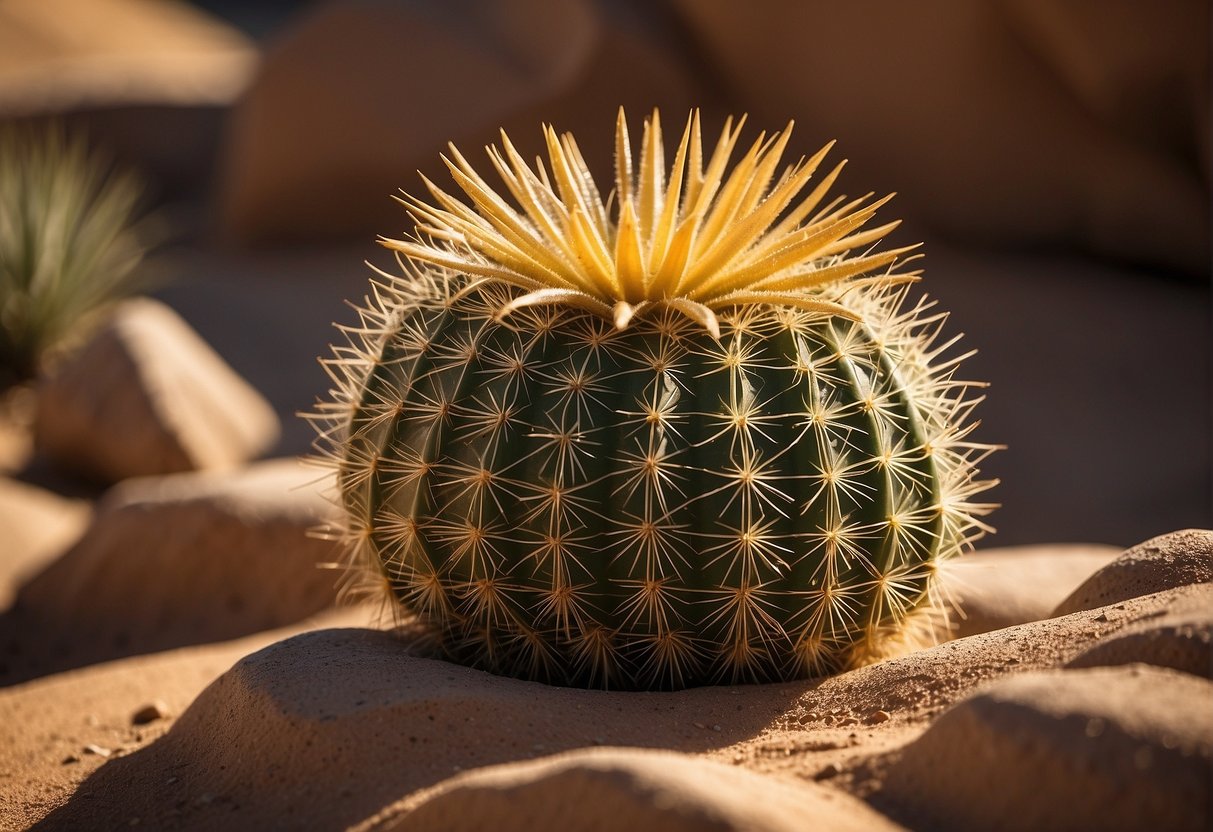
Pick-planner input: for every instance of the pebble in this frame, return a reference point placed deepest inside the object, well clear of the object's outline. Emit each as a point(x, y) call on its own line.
point(879, 716)
point(150, 712)
point(830, 770)
point(99, 750)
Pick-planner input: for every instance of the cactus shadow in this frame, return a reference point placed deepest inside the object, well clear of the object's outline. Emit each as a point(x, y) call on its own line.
point(324, 729)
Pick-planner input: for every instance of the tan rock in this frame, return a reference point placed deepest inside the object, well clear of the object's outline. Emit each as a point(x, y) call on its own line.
point(106, 53)
point(16, 417)
point(148, 396)
point(1170, 560)
point(615, 788)
point(996, 588)
point(36, 525)
point(1036, 101)
point(1124, 748)
point(150, 712)
point(1182, 639)
point(181, 559)
point(385, 74)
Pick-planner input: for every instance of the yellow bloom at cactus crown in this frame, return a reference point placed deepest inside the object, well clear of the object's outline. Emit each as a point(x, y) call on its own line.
point(705, 238)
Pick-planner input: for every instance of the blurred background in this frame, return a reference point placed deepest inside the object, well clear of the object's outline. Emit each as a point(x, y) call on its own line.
point(1054, 155)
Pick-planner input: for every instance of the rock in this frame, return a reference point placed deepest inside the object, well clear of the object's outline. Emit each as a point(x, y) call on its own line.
point(1170, 560)
point(540, 60)
point(1065, 85)
point(37, 526)
point(111, 53)
point(1106, 748)
point(16, 417)
point(1182, 639)
point(996, 588)
point(146, 395)
point(625, 789)
point(150, 713)
point(175, 560)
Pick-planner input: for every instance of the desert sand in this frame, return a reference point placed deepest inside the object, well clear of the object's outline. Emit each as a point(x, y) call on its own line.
point(1075, 693)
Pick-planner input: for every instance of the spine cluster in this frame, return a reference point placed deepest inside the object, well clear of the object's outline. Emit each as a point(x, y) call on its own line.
point(654, 507)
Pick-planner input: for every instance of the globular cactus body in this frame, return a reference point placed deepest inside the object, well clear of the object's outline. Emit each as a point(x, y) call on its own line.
point(658, 497)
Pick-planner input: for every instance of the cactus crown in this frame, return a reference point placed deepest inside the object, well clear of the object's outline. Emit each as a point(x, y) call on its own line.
point(700, 242)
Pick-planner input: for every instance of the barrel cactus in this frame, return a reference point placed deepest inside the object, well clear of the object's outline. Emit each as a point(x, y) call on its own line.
point(695, 432)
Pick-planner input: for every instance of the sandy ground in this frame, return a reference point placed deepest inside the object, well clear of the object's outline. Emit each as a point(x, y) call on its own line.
point(1098, 718)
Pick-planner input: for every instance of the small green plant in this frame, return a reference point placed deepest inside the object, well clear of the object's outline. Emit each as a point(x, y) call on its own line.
point(68, 243)
point(708, 438)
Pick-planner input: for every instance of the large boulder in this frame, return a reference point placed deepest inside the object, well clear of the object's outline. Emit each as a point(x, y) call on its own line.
point(1163, 562)
point(387, 77)
point(1122, 748)
point(75, 54)
point(176, 560)
point(146, 395)
point(38, 525)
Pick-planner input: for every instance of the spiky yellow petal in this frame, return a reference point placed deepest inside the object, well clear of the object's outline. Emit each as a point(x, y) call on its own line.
point(702, 240)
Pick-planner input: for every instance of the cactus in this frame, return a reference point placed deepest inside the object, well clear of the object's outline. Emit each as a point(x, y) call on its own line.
point(703, 442)
point(69, 244)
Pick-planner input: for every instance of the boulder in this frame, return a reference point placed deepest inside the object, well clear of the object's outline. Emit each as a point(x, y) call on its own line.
point(387, 77)
point(146, 395)
point(108, 53)
point(38, 525)
point(175, 560)
point(1122, 748)
point(1163, 562)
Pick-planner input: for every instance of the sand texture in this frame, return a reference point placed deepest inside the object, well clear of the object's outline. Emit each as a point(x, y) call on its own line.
point(1099, 718)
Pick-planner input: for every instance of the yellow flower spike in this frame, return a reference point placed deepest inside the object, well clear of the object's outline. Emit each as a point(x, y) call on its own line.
point(703, 240)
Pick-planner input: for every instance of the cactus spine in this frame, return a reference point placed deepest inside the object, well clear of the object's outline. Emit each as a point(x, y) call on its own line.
point(704, 442)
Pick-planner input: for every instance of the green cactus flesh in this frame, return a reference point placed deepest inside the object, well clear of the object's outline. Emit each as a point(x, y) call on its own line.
point(655, 507)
